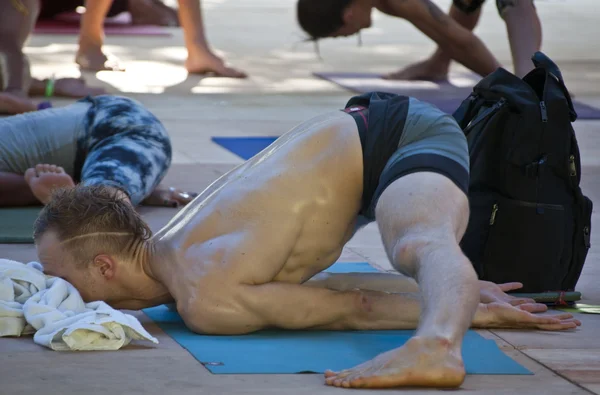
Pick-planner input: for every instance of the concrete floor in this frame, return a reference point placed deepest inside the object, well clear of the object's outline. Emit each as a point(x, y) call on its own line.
point(261, 37)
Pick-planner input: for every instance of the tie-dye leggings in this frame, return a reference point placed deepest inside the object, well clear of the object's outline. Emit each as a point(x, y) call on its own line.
point(123, 145)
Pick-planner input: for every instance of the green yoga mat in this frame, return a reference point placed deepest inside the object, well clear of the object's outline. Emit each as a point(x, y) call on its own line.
point(582, 308)
point(550, 298)
point(290, 352)
point(16, 224)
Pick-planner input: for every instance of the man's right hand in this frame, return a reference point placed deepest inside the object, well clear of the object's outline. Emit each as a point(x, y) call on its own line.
point(504, 316)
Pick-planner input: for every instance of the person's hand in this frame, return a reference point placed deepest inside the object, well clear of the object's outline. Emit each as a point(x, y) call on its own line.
point(169, 197)
point(502, 315)
point(491, 292)
point(427, 70)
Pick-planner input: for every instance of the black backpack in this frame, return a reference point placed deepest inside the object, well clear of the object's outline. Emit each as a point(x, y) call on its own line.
point(529, 220)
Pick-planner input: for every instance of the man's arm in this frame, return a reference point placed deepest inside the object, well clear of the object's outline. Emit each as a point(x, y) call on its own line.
point(292, 306)
point(451, 37)
point(250, 308)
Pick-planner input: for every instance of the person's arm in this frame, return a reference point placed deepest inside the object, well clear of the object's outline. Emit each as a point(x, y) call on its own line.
point(14, 190)
point(292, 306)
point(250, 308)
point(458, 42)
point(395, 283)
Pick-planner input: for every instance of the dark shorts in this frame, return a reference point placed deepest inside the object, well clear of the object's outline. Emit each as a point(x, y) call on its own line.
point(470, 6)
point(401, 135)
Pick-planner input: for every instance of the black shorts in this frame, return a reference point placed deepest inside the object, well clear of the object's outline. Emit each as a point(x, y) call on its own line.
point(402, 135)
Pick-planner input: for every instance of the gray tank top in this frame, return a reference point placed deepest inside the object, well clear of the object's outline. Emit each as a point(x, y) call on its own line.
point(47, 136)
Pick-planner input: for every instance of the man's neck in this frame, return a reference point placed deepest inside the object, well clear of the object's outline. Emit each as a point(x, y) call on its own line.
point(142, 285)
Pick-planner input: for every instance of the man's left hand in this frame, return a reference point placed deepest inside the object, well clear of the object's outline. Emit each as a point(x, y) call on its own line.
point(496, 293)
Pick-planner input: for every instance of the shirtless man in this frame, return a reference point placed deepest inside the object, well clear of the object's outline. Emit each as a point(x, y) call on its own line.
point(452, 33)
point(106, 140)
point(238, 258)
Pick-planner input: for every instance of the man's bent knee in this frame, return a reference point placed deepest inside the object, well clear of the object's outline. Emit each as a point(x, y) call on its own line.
point(408, 253)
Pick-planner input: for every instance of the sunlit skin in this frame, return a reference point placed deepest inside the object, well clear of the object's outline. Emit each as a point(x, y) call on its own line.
point(247, 254)
point(456, 41)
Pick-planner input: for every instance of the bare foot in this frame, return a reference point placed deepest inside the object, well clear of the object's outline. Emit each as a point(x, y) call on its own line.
point(169, 197)
point(152, 12)
point(203, 63)
point(421, 362)
point(13, 104)
point(66, 87)
point(92, 58)
point(43, 179)
point(427, 70)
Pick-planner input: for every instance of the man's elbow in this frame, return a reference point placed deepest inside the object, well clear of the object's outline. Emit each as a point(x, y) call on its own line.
point(216, 324)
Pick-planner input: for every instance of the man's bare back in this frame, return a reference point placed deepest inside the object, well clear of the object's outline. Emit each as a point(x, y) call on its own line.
point(283, 216)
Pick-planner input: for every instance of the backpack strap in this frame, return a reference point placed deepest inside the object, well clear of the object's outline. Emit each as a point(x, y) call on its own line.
point(540, 60)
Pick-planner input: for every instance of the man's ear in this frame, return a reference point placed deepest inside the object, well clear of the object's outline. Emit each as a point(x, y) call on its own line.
point(106, 265)
point(348, 15)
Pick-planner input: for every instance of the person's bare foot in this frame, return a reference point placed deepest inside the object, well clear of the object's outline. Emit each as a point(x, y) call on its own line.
point(169, 197)
point(66, 87)
point(207, 62)
point(152, 12)
point(43, 179)
point(91, 58)
point(427, 70)
point(11, 104)
point(421, 362)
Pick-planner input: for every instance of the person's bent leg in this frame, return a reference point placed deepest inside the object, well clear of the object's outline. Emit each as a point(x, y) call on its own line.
point(91, 38)
point(16, 23)
point(130, 148)
point(524, 32)
point(422, 210)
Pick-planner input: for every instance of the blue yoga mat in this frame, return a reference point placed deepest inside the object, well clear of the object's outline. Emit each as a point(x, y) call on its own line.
point(244, 147)
point(289, 352)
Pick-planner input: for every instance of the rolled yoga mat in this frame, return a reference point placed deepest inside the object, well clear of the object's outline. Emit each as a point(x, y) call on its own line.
point(289, 352)
point(446, 96)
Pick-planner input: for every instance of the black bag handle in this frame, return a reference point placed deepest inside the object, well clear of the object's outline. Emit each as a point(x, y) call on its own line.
point(542, 61)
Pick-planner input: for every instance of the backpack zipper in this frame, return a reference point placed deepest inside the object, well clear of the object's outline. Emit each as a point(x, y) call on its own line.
point(491, 110)
point(586, 236)
point(544, 111)
point(493, 216)
point(572, 167)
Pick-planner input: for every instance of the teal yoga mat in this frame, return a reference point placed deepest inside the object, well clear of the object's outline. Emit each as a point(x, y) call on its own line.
point(289, 352)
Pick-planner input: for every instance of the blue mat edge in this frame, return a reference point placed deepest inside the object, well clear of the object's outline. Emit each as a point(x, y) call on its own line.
point(340, 267)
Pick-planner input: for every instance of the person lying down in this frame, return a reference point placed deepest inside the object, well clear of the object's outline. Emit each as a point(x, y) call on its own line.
point(106, 140)
point(247, 253)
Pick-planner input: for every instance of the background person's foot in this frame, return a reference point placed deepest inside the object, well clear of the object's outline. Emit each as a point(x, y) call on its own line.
point(75, 87)
point(93, 59)
point(209, 63)
point(43, 179)
point(12, 104)
point(421, 362)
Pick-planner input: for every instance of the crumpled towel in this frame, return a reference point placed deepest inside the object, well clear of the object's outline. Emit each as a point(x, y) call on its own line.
point(55, 311)
point(18, 282)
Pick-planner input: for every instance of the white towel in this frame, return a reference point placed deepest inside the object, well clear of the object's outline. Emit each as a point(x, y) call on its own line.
point(53, 309)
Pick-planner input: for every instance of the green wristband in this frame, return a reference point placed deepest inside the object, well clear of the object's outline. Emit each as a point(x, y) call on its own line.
point(49, 87)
